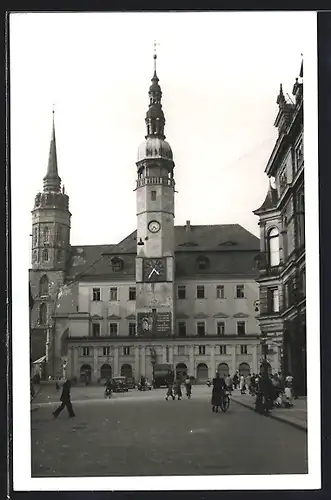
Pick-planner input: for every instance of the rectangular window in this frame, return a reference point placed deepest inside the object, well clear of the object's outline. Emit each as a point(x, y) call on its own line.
point(243, 349)
point(132, 293)
point(167, 354)
point(106, 351)
point(181, 291)
point(95, 329)
point(153, 195)
point(273, 300)
point(222, 349)
point(286, 296)
point(241, 328)
point(86, 351)
point(202, 349)
point(132, 329)
point(182, 329)
point(220, 291)
point(181, 350)
point(96, 294)
point(113, 329)
point(113, 293)
point(240, 294)
point(220, 328)
point(201, 329)
point(126, 351)
point(299, 155)
point(200, 292)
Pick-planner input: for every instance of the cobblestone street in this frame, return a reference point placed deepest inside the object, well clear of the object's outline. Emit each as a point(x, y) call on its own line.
point(142, 434)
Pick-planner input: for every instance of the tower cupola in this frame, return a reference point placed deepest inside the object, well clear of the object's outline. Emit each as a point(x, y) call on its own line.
point(155, 147)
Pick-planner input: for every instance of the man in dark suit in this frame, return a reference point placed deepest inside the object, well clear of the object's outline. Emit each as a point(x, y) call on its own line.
point(65, 401)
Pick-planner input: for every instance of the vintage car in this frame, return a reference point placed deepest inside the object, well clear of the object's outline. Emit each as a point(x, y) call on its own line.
point(130, 382)
point(119, 384)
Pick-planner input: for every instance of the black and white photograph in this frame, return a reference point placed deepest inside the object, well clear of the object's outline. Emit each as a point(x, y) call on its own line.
point(164, 247)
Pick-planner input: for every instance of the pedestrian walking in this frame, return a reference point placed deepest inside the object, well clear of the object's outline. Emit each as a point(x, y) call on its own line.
point(242, 386)
point(228, 383)
point(235, 380)
point(170, 393)
point(218, 391)
point(178, 389)
point(65, 401)
point(188, 387)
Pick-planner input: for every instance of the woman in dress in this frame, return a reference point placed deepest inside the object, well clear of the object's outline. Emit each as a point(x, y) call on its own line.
point(218, 391)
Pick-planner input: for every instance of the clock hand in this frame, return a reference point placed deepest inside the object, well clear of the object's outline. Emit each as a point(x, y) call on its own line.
point(152, 271)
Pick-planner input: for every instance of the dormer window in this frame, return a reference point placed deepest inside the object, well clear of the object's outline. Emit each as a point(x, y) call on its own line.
point(117, 264)
point(203, 263)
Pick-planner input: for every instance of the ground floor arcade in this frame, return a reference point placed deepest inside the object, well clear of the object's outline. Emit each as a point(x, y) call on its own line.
point(201, 361)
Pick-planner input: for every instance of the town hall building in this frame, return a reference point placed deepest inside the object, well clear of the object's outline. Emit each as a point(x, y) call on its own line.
point(183, 295)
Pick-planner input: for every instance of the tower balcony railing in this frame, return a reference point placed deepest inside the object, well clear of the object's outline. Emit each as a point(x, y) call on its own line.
point(155, 180)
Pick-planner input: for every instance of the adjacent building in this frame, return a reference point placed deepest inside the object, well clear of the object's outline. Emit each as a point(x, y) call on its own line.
point(185, 295)
point(282, 266)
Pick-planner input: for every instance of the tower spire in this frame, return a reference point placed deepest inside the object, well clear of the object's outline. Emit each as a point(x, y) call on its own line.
point(154, 117)
point(52, 181)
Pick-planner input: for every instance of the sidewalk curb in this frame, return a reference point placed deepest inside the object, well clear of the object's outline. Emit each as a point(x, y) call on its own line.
point(275, 417)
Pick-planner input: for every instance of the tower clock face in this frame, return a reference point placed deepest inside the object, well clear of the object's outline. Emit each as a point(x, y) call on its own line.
point(154, 226)
point(154, 270)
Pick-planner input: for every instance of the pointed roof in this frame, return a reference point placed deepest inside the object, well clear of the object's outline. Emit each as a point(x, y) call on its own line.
point(52, 181)
point(270, 201)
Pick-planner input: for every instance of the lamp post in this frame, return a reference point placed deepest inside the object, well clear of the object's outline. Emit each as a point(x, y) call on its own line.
point(153, 361)
point(264, 349)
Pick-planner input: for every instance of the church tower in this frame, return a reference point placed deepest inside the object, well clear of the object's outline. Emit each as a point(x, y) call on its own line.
point(51, 219)
point(50, 252)
point(155, 224)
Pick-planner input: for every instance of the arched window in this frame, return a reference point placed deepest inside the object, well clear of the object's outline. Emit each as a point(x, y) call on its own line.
point(43, 314)
point(273, 240)
point(43, 285)
point(46, 234)
point(45, 254)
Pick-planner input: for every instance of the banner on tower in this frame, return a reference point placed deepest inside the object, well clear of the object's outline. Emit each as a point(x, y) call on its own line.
point(154, 324)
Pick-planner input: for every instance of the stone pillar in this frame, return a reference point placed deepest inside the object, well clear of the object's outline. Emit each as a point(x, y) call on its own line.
point(116, 367)
point(191, 361)
point(171, 355)
point(69, 368)
point(164, 354)
point(143, 360)
point(234, 360)
point(254, 359)
point(136, 364)
point(95, 365)
point(212, 362)
point(75, 367)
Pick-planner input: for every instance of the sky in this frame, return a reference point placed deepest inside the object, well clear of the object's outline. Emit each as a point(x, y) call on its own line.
point(220, 75)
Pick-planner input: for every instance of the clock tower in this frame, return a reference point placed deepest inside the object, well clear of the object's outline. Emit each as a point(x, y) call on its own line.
point(155, 270)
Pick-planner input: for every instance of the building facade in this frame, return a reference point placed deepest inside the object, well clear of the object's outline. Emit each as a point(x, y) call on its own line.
point(184, 295)
point(282, 275)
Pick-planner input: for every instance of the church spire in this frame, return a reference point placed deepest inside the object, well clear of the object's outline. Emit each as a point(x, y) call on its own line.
point(155, 120)
point(52, 181)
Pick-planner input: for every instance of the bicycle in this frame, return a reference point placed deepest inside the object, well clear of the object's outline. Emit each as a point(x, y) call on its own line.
point(225, 402)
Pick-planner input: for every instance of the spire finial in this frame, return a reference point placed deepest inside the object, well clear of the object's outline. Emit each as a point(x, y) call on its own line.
point(52, 181)
point(155, 54)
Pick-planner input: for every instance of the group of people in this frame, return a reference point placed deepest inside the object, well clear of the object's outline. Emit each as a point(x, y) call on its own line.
point(278, 389)
point(175, 388)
